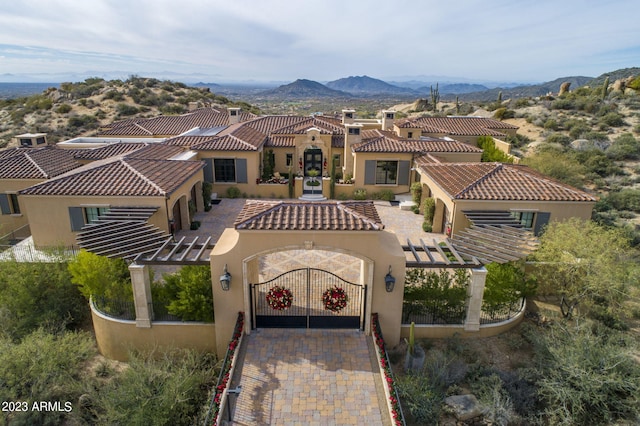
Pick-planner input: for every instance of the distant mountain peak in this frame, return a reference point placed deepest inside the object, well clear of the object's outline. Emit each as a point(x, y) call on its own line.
point(303, 88)
point(365, 85)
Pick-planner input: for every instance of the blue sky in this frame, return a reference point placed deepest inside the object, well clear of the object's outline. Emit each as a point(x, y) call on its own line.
point(278, 40)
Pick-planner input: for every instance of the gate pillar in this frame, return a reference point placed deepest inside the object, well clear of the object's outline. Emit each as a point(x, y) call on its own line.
point(475, 293)
point(141, 294)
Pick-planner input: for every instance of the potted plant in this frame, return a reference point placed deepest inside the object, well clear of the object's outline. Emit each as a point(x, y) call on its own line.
point(414, 360)
point(312, 182)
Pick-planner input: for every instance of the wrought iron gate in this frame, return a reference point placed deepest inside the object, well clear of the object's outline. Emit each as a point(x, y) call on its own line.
point(308, 298)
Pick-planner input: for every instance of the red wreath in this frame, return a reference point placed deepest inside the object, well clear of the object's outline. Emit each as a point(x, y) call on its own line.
point(279, 298)
point(335, 299)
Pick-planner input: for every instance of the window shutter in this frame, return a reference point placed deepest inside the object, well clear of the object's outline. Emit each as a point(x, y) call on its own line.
point(76, 215)
point(241, 170)
point(403, 173)
point(208, 170)
point(370, 172)
point(4, 204)
point(542, 218)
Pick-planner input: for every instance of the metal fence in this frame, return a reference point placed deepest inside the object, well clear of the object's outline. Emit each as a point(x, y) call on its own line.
point(28, 253)
point(433, 312)
point(502, 312)
point(115, 308)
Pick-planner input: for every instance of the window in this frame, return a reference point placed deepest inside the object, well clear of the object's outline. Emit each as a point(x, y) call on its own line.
point(354, 131)
point(386, 172)
point(224, 170)
point(80, 216)
point(9, 204)
point(229, 170)
point(91, 213)
point(410, 135)
point(390, 115)
point(336, 160)
point(25, 142)
point(289, 159)
point(348, 115)
point(40, 141)
point(525, 218)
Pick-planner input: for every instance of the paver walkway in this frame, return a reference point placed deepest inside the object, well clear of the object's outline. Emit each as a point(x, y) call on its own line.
point(308, 377)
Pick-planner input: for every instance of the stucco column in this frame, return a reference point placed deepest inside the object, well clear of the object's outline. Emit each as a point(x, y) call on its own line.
point(141, 294)
point(199, 200)
point(184, 213)
point(475, 293)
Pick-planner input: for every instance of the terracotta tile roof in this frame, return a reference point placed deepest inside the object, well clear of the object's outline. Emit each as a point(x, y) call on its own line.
point(156, 151)
point(187, 141)
point(280, 141)
point(326, 127)
point(107, 151)
point(35, 163)
point(461, 126)
point(301, 216)
point(237, 137)
point(385, 141)
point(497, 181)
point(172, 124)
point(272, 123)
point(121, 177)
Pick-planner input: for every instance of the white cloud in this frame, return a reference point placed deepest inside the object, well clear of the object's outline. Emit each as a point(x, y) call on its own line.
point(280, 39)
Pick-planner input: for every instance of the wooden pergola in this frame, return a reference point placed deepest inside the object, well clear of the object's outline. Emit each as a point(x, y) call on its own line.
point(494, 236)
point(438, 255)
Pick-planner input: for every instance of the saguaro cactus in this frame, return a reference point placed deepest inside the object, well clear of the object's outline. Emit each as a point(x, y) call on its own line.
point(435, 97)
point(605, 88)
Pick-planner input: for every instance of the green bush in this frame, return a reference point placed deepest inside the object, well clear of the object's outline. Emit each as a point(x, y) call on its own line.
point(489, 151)
point(503, 113)
point(624, 147)
point(168, 388)
point(34, 295)
point(85, 121)
point(506, 285)
point(44, 367)
point(233, 192)
point(190, 294)
point(559, 138)
point(587, 375)
point(63, 109)
point(429, 209)
point(125, 110)
point(551, 124)
point(427, 227)
point(360, 194)
point(416, 192)
point(100, 276)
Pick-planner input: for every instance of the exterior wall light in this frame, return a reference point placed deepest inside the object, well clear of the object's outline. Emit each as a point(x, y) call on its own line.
point(389, 281)
point(225, 279)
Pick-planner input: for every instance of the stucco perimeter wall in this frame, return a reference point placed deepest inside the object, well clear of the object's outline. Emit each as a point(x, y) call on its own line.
point(116, 338)
point(239, 250)
point(446, 331)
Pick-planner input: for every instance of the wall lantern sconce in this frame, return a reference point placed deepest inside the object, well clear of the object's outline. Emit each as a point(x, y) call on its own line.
point(225, 279)
point(389, 281)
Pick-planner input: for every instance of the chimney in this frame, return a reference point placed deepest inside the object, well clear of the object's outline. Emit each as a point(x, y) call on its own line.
point(234, 115)
point(387, 119)
point(348, 116)
point(352, 135)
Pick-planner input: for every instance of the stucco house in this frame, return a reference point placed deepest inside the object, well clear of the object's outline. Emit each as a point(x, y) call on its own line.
point(149, 177)
point(21, 168)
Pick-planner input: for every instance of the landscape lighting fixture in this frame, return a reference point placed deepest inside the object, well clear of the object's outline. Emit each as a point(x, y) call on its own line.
point(389, 281)
point(225, 279)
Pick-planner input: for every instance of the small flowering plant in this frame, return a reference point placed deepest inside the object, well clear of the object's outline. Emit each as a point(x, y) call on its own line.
point(279, 298)
point(335, 299)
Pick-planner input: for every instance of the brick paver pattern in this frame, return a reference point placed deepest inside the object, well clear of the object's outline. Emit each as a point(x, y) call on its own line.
point(307, 377)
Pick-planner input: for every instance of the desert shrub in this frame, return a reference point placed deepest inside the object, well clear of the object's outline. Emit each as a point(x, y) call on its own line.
point(558, 165)
point(503, 113)
point(85, 121)
point(189, 293)
point(173, 109)
point(551, 124)
point(563, 103)
point(624, 147)
point(44, 367)
point(167, 388)
point(113, 95)
point(625, 199)
point(419, 396)
point(63, 109)
point(427, 227)
point(36, 295)
point(612, 119)
point(233, 192)
point(587, 374)
point(559, 138)
point(596, 161)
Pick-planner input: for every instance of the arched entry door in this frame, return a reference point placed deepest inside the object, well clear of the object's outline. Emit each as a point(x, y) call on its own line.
point(312, 160)
point(308, 298)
